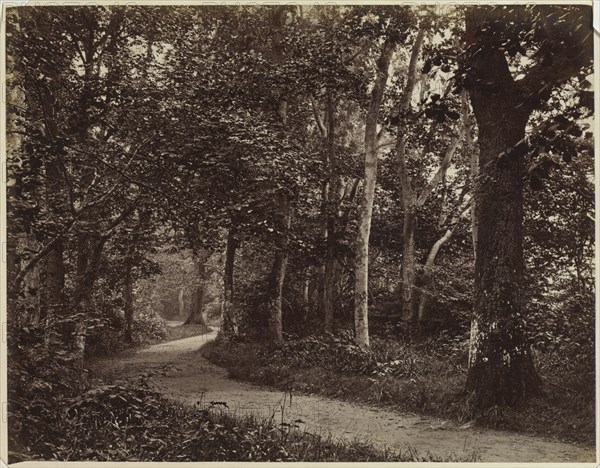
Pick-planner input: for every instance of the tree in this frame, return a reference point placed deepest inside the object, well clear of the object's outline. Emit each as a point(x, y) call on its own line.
point(361, 266)
point(501, 370)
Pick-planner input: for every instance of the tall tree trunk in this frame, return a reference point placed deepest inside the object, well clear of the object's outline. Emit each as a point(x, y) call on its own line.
point(89, 254)
point(408, 268)
point(54, 284)
point(54, 264)
point(197, 302)
point(501, 370)
point(228, 304)
point(408, 198)
point(474, 163)
point(329, 284)
point(277, 277)
point(283, 207)
point(128, 299)
point(332, 211)
point(54, 196)
point(361, 265)
point(18, 240)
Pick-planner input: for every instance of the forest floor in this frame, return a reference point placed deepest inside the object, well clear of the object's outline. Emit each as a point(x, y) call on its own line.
point(180, 373)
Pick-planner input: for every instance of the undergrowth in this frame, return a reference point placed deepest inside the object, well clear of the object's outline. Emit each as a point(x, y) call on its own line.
point(425, 376)
point(56, 413)
point(130, 422)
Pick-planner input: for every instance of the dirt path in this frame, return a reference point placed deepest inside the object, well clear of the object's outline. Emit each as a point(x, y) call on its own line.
point(191, 378)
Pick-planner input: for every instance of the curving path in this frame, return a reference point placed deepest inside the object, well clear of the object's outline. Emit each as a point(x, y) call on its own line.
point(188, 377)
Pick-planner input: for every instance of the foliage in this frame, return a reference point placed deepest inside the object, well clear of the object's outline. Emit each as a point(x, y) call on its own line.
point(130, 422)
point(339, 353)
point(148, 327)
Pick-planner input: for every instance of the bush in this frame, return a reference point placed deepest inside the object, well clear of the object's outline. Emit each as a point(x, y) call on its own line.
point(39, 377)
point(105, 332)
point(148, 327)
point(339, 353)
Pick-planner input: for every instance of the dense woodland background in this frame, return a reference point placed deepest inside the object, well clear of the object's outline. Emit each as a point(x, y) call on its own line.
point(403, 194)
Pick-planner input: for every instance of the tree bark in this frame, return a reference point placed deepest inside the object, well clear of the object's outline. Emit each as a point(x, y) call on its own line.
point(54, 267)
point(408, 268)
point(474, 163)
point(197, 302)
point(332, 207)
point(408, 198)
point(277, 277)
point(501, 370)
point(361, 264)
point(228, 304)
point(283, 207)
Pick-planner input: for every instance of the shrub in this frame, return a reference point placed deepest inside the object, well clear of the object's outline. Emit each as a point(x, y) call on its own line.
point(339, 353)
point(148, 327)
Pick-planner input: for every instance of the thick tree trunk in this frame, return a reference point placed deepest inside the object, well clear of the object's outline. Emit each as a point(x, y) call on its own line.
point(501, 370)
point(329, 285)
point(277, 277)
point(55, 199)
point(228, 305)
point(197, 302)
point(196, 307)
point(89, 254)
point(361, 265)
point(55, 282)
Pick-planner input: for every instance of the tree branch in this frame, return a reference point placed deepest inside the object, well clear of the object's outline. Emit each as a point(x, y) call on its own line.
point(134, 181)
point(40, 255)
point(541, 78)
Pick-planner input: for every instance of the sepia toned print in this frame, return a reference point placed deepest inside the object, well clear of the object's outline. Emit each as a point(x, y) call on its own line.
point(300, 233)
